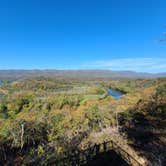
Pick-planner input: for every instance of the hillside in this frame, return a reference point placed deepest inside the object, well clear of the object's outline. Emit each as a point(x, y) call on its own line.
point(46, 119)
point(17, 74)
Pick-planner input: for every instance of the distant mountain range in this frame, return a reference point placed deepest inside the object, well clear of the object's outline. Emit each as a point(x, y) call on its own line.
point(17, 74)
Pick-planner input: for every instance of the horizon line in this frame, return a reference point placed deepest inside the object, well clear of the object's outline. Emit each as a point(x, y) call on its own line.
point(63, 69)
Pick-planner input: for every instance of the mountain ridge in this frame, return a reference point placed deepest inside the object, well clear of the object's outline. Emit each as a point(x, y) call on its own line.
point(12, 74)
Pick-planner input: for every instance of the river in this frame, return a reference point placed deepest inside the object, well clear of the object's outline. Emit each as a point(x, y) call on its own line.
point(115, 93)
point(1, 83)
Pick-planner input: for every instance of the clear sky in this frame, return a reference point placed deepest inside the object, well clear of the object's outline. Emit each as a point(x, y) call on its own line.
point(83, 34)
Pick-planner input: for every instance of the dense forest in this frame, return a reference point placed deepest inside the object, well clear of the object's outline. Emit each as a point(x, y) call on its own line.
point(45, 119)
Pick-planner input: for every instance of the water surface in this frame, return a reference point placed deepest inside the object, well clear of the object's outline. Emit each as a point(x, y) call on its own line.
point(1, 83)
point(115, 93)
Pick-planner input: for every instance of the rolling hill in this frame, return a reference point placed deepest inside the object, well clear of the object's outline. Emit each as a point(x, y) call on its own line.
point(17, 74)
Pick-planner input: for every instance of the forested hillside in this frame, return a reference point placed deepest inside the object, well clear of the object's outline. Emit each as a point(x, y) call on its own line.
point(44, 119)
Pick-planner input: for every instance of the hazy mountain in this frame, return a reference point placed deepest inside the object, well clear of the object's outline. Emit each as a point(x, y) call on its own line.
point(16, 74)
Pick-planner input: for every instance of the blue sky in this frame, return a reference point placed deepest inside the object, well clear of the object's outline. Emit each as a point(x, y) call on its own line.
point(83, 34)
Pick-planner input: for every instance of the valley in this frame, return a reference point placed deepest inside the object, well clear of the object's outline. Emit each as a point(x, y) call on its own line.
point(44, 119)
